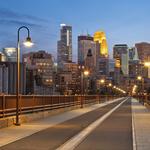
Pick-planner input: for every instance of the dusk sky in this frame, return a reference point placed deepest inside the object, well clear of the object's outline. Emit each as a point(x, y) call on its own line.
point(123, 21)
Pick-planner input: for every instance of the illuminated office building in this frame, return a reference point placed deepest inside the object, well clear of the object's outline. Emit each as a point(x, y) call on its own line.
point(100, 37)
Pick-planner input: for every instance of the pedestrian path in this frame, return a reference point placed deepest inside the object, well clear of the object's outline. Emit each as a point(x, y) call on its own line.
point(14, 133)
point(141, 126)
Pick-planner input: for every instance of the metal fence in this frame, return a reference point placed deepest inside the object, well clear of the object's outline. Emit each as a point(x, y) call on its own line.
point(143, 98)
point(35, 103)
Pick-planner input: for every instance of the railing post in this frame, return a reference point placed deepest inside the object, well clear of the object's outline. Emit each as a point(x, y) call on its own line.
point(99, 99)
point(20, 108)
point(146, 99)
point(107, 99)
point(81, 101)
point(3, 106)
point(32, 103)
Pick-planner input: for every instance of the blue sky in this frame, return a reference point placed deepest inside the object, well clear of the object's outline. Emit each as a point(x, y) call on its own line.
point(123, 21)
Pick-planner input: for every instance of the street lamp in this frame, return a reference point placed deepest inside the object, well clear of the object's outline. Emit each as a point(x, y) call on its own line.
point(81, 68)
point(110, 88)
point(140, 78)
point(102, 86)
point(110, 85)
point(85, 74)
point(27, 43)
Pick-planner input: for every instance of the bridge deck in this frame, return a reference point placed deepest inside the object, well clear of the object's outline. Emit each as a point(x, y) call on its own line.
point(114, 132)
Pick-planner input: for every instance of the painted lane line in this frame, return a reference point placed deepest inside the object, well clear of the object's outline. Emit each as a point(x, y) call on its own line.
point(133, 127)
point(77, 139)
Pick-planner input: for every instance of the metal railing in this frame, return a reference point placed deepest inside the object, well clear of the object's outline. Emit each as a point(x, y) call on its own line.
point(36, 103)
point(143, 98)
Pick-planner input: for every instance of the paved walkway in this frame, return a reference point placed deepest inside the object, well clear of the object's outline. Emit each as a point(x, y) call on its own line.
point(14, 133)
point(141, 125)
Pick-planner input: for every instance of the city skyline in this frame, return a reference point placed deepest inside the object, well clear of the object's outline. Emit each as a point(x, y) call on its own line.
point(122, 23)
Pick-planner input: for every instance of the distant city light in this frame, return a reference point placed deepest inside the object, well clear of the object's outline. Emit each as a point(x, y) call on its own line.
point(139, 78)
point(102, 81)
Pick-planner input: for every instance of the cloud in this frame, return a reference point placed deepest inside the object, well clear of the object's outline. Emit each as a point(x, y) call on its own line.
point(11, 18)
point(18, 23)
point(9, 14)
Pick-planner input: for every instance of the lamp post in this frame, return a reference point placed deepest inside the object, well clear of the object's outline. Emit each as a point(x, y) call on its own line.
point(102, 85)
point(140, 78)
point(81, 68)
point(85, 74)
point(109, 88)
point(27, 43)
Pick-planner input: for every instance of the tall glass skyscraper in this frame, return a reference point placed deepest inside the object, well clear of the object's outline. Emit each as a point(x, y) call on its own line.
point(64, 45)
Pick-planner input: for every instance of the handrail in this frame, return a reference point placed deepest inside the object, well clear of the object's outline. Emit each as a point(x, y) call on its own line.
point(35, 103)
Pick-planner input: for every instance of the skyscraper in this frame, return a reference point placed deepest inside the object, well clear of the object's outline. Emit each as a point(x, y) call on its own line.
point(87, 51)
point(64, 45)
point(143, 50)
point(120, 54)
point(100, 37)
point(133, 54)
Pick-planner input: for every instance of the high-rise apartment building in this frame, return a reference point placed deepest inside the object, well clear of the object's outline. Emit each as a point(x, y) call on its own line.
point(64, 45)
